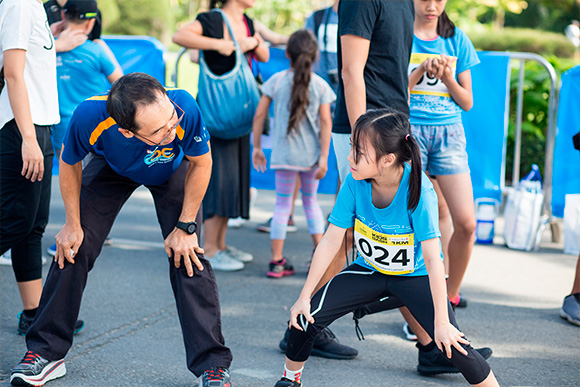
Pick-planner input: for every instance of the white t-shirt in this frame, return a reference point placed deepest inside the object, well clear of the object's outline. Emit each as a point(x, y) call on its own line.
point(23, 25)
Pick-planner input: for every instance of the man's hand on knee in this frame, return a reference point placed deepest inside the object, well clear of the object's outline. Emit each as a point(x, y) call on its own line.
point(180, 244)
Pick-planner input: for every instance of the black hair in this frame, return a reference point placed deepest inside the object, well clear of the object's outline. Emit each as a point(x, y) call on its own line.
point(216, 3)
point(130, 92)
point(445, 27)
point(389, 131)
point(302, 50)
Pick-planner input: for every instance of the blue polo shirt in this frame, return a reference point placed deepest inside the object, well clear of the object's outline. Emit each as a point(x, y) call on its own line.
point(93, 130)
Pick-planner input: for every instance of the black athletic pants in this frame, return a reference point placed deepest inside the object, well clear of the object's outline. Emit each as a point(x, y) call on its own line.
point(24, 205)
point(356, 286)
point(103, 193)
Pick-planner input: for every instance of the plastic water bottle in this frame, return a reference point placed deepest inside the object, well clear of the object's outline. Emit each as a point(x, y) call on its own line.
point(485, 212)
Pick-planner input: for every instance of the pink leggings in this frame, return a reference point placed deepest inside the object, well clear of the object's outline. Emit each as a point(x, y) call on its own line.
point(285, 184)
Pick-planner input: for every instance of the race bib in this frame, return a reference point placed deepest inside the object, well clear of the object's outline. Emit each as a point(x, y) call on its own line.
point(389, 254)
point(427, 85)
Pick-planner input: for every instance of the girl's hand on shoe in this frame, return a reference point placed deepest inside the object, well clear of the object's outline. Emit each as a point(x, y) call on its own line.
point(447, 336)
point(302, 306)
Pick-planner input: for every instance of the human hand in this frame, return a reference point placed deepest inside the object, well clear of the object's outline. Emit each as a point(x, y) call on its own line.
point(302, 306)
point(181, 244)
point(226, 47)
point(248, 43)
point(68, 242)
point(56, 28)
point(447, 75)
point(69, 40)
point(321, 171)
point(259, 160)
point(447, 336)
point(32, 160)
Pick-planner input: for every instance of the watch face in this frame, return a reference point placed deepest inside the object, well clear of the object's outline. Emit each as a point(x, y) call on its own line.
point(191, 228)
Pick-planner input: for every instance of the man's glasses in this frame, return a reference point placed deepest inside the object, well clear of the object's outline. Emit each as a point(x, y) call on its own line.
point(169, 131)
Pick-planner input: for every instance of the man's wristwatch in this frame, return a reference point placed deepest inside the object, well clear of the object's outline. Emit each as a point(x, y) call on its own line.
point(189, 227)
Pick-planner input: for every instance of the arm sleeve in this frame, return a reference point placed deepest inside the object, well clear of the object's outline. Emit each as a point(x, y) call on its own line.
point(17, 27)
point(268, 87)
point(107, 65)
point(357, 18)
point(425, 218)
point(467, 56)
point(195, 135)
point(344, 211)
point(327, 95)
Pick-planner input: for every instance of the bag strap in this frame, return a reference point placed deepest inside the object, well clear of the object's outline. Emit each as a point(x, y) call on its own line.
point(226, 20)
point(318, 20)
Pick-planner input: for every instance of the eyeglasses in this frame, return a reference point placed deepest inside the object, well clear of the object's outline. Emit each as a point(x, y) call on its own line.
point(169, 131)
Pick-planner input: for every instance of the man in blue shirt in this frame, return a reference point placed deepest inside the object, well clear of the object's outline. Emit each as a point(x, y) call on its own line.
point(140, 134)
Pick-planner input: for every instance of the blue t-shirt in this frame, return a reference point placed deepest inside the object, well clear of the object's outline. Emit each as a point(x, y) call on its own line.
point(388, 240)
point(92, 129)
point(431, 103)
point(81, 73)
point(327, 36)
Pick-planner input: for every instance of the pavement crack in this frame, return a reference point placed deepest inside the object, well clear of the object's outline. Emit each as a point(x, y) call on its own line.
point(116, 334)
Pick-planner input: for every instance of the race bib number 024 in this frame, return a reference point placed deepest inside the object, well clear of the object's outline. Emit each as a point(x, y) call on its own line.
point(389, 254)
point(427, 85)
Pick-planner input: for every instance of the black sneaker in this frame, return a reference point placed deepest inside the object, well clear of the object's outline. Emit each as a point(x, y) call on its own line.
point(215, 377)
point(432, 361)
point(34, 370)
point(24, 323)
point(325, 345)
point(285, 382)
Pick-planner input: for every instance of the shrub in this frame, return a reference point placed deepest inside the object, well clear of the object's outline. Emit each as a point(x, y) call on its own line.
point(522, 40)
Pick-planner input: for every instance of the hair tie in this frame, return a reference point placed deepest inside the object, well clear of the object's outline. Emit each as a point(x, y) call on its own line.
point(407, 137)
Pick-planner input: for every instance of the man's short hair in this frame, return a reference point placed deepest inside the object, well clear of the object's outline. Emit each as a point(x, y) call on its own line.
point(130, 92)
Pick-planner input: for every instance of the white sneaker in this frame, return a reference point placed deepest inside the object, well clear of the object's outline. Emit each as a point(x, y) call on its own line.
point(239, 255)
point(6, 259)
point(221, 261)
point(236, 222)
point(409, 334)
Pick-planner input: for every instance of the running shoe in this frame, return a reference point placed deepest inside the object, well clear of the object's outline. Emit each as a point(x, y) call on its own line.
point(433, 362)
point(34, 370)
point(238, 255)
point(458, 302)
point(24, 323)
point(266, 226)
point(571, 309)
point(279, 269)
point(409, 334)
point(285, 382)
point(325, 345)
point(51, 250)
point(215, 377)
point(221, 261)
point(236, 222)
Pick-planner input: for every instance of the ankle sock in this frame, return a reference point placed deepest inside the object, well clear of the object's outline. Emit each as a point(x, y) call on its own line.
point(293, 375)
point(426, 348)
point(30, 313)
point(455, 300)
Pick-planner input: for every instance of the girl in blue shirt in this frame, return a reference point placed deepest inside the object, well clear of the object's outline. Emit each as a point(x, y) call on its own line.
point(440, 90)
point(393, 209)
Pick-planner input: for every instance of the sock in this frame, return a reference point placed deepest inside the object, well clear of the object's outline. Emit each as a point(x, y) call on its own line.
point(455, 300)
point(426, 348)
point(293, 375)
point(30, 313)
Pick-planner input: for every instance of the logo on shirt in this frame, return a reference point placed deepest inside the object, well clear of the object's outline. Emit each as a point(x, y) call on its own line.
point(159, 156)
point(49, 37)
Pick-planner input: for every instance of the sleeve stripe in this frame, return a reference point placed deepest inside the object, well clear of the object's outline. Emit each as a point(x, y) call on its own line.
point(104, 125)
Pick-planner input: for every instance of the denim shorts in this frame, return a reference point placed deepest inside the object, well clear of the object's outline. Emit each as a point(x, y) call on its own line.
point(442, 148)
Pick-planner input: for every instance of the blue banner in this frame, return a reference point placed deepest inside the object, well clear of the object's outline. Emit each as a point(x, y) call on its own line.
point(566, 177)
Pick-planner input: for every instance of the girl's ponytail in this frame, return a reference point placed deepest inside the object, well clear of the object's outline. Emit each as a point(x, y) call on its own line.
point(302, 50)
point(389, 131)
point(445, 27)
point(416, 172)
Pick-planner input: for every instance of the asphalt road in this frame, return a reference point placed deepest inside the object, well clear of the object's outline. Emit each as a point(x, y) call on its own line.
point(132, 335)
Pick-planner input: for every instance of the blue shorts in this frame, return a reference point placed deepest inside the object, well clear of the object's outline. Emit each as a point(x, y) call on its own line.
point(442, 148)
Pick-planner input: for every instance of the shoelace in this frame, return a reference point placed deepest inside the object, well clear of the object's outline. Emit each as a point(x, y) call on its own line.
point(30, 358)
point(217, 373)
